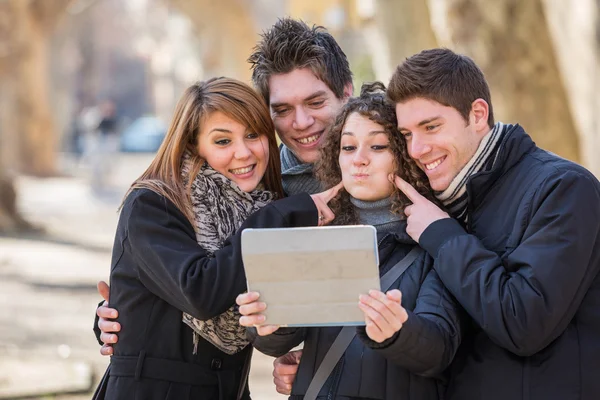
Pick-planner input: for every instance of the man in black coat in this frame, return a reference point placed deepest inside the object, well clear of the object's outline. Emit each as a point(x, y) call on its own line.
point(520, 247)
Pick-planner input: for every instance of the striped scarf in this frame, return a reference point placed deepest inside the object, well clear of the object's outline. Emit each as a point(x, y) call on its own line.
point(455, 196)
point(296, 176)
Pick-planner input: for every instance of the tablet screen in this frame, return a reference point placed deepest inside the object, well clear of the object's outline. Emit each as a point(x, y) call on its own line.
point(312, 276)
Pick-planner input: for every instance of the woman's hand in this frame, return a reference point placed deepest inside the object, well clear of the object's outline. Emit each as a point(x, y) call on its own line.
point(384, 313)
point(322, 199)
point(250, 309)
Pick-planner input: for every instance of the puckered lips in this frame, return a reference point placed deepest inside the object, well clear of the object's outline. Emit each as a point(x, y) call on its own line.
point(360, 176)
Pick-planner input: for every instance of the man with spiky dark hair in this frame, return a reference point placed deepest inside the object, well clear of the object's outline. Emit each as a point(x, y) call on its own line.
point(304, 76)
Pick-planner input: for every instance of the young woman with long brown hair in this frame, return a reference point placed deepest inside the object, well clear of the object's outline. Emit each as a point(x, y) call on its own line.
point(411, 331)
point(176, 268)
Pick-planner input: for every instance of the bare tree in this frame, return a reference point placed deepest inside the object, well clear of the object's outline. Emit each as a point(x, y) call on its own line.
point(510, 40)
point(26, 129)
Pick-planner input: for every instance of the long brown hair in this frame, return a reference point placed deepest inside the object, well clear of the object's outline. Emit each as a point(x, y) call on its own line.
point(371, 104)
point(234, 99)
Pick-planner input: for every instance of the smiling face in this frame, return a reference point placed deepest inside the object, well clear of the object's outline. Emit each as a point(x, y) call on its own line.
point(233, 150)
point(303, 108)
point(439, 139)
point(365, 159)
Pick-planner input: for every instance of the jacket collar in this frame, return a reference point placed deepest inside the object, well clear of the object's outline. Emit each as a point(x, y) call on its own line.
point(515, 143)
point(400, 236)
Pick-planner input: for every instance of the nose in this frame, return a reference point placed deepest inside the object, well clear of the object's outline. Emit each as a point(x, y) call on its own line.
point(242, 151)
point(360, 157)
point(418, 147)
point(302, 119)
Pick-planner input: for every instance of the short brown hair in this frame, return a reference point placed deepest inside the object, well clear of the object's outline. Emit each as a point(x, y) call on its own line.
point(291, 44)
point(374, 105)
point(441, 75)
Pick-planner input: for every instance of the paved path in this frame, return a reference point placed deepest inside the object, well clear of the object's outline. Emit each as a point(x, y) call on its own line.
point(48, 283)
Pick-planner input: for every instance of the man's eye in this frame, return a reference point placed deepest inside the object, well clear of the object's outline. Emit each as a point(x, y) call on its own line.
point(430, 127)
point(407, 135)
point(222, 142)
point(317, 103)
point(280, 111)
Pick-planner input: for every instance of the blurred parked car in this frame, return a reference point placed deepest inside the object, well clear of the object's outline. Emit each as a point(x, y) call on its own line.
point(144, 135)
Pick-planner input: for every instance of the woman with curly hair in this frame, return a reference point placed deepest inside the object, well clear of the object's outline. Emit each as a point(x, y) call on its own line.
point(412, 331)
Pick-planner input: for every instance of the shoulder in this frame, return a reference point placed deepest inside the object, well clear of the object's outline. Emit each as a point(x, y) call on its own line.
point(551, 167)
point(149, 206)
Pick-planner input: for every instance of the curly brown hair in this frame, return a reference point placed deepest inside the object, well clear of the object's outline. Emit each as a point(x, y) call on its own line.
point(372, 104)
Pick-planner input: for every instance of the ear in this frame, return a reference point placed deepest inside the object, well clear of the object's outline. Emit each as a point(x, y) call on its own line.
point(478, 116)
point(348, 91)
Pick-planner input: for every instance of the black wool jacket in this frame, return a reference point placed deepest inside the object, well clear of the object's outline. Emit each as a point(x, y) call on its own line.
point(408, 365)
point(158, 270)
point(526, 271)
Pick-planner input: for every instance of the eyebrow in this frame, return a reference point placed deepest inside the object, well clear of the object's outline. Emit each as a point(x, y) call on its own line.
point(372, 133)
point(222, 130)
point(424, 122)
point(309, 98)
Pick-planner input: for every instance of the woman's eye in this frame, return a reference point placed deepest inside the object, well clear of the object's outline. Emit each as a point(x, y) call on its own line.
point(348, 148)
point(222, 142)
point(430, 127)
point(380, 147)
point(252, 135)
point(407, 135)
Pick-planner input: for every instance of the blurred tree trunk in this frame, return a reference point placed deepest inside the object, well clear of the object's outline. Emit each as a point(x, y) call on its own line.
point(510, 41)
point(229, 31)
point(406, 30)
point(26, 129)
point(26, 66)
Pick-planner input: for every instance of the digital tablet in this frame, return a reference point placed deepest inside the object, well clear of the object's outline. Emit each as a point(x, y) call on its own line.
point(312, 276)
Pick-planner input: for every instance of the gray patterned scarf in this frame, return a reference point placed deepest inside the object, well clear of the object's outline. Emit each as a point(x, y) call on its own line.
point(220, 207)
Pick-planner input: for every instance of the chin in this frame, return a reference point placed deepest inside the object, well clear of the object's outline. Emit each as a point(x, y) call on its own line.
point(247, 187)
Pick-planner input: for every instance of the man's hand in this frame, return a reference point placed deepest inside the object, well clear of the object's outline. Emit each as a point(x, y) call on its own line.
point(285, 369)
point(106, 322)
point(322, 199)
point(384, 313)
point(421, 213)
point(251, 308)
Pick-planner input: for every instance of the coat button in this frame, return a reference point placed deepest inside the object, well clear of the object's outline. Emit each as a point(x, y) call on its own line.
point(216, 364)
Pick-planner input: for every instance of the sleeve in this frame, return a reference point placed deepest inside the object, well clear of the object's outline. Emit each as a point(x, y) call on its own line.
point(429, 339)
point(525, 300)
point(174, 267)
point(279, 342)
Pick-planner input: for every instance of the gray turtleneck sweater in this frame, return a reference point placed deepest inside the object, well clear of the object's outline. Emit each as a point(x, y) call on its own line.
point(378, 214)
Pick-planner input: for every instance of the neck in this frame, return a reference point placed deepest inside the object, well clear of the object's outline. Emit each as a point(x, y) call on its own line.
point(377, 213)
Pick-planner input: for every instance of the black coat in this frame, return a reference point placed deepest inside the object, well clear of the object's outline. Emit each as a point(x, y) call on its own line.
point(406, 366)
point(526, 270)
point(158, 270)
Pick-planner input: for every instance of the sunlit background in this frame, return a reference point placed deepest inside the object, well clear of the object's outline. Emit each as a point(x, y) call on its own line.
point(67, 66)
